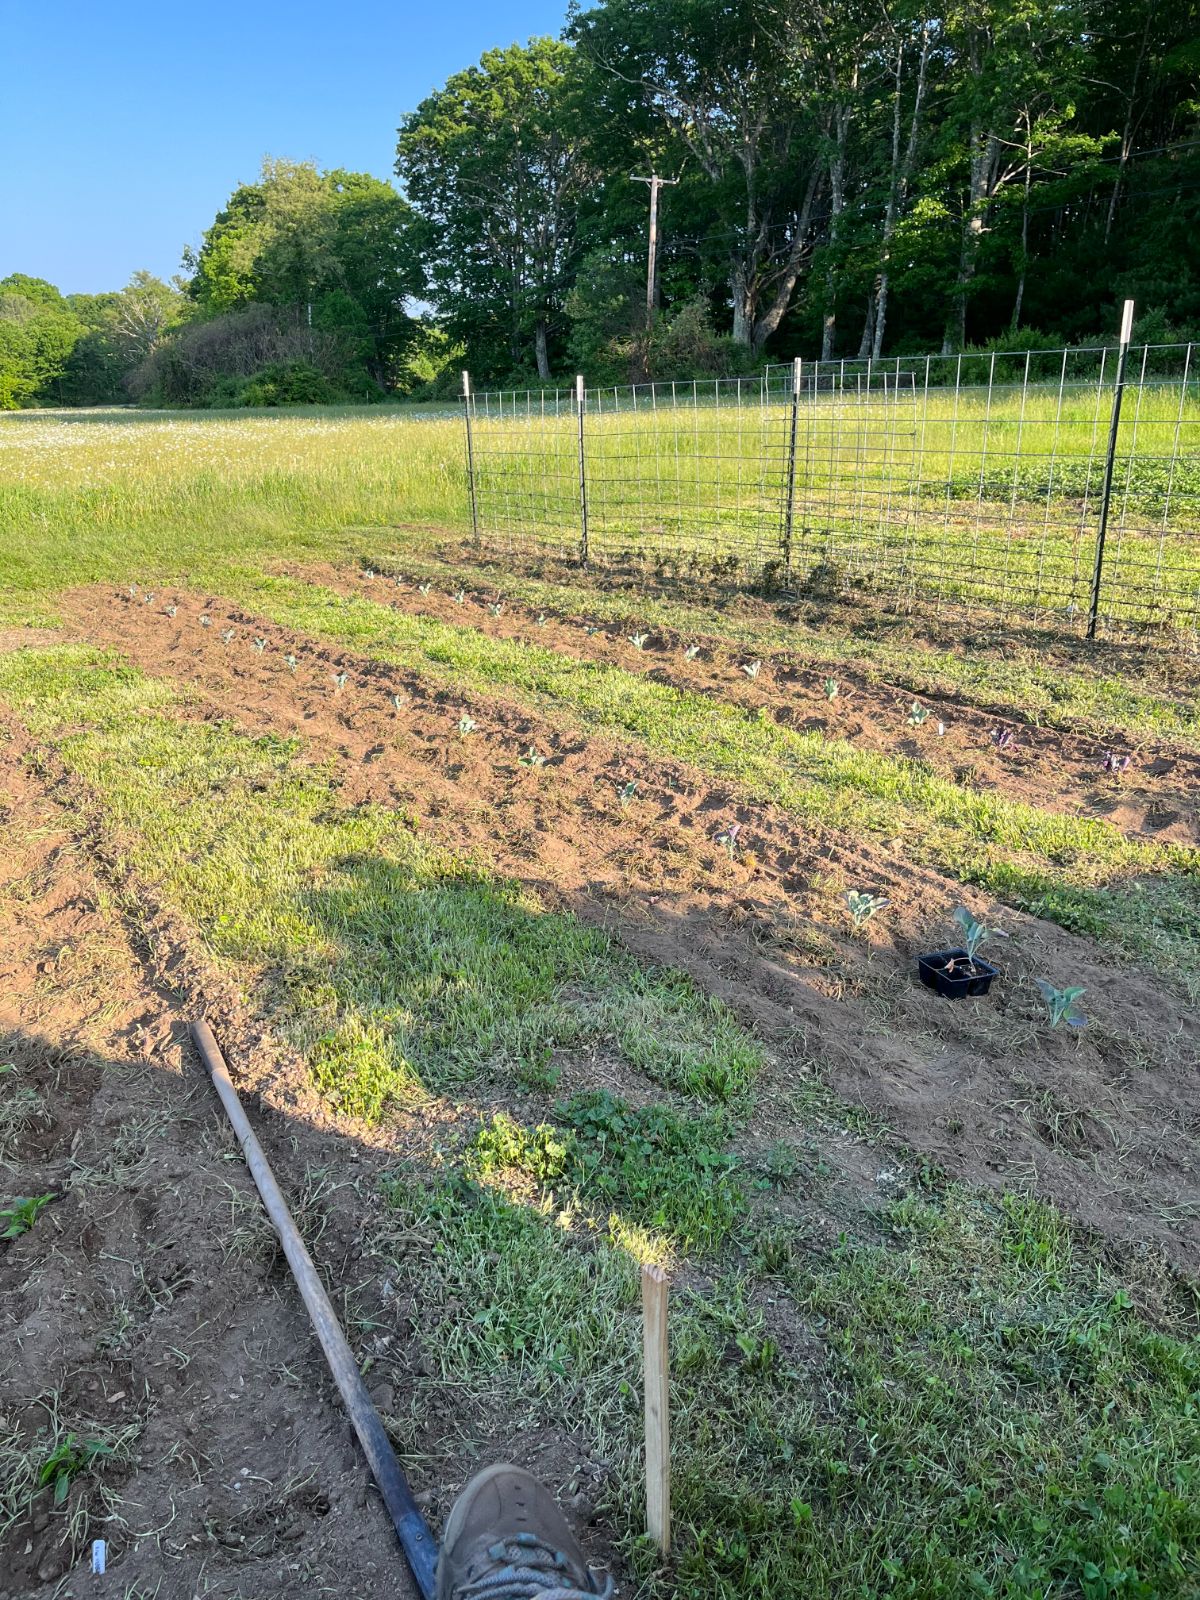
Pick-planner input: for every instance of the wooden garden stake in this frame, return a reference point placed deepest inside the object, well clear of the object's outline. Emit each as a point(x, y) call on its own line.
point(658, 1418)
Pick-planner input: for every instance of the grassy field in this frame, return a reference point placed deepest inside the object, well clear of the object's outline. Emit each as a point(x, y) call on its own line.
point(460, 838)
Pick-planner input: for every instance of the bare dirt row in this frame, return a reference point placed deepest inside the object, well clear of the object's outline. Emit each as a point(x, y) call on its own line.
point(1104, 1124)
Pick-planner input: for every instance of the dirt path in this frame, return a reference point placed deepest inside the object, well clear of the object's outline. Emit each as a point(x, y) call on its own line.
point(1104, 1124)
point(146, 1308)
point(1157, 798)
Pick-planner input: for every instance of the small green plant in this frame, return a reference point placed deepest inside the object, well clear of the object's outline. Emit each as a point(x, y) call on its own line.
point(917, 714)
point(975, 934)
point(638, 640)
point(341, 679)
point(227, 635)
point(148, 598)
point(397, 702)
point(1060, 1003)
point(863, 906)
point(541, 619)
point(424, 588)
point(830, 687)
point(533, 757)
point(728, 839)
point(497, 608)
point(133, 591)
point(206, 621)
point(19, 1215)
point(628, 792)
point(171, 610)
point(460, 597)
point(368, 574)
point(71, 1457)
point(466, 725)
point(260, 645)
point(291, 662)
point(752, 668)
point(692, 651)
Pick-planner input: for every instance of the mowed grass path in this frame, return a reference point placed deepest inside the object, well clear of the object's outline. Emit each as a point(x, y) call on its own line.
point(1081, 872)
point(957, 1397)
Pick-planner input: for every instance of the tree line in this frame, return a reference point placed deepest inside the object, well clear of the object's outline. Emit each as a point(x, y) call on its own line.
point(859, 179)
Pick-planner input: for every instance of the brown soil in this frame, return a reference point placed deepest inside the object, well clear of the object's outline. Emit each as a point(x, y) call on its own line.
point(162, 1310)
point(1157, 798)
point(1103, 1123)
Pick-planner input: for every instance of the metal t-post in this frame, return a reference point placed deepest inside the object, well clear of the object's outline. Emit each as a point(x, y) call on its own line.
point(790, 504)
point(1109, 463)
point(580, 406)
point(467, 408)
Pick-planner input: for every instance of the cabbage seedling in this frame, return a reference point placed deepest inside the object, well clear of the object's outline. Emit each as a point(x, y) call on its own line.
point(752, 668)
point(368, 575)
point(260, 645)
point(424, 588)
point(533, 757)
point(341, 679)
point(541, 619)
point(975, 934)
point(628, 792)
point(170, 610)
point(1004, 739)
point(917, 714)
point(1060, 1003)
point(638, 640)
point(1114, 763)
point(291, 662)
point(497, 609)
point(830, 687)
point(460, 596)
point(133, 591)
point(862, 906)
point(466, 725)
point(227, 635)
point(206, 622)
point(729, 839)
point(397, 701)
point(692, 651)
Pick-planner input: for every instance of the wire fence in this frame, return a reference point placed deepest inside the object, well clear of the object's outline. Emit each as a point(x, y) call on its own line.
point(1057, 486)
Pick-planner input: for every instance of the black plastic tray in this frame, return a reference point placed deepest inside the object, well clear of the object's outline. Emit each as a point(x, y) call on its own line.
point(956, 986)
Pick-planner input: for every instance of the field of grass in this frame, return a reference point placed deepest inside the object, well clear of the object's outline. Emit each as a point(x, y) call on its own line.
point(900, 1368)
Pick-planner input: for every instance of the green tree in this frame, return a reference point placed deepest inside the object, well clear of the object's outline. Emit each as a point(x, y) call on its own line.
point(496, 165)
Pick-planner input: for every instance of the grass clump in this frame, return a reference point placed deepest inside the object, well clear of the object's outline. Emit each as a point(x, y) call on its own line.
point(395, 965)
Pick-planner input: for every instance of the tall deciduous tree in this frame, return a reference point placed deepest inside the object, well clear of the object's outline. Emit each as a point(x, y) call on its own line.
point(496, 165)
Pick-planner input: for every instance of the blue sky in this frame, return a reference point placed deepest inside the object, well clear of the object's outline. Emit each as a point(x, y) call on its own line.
point(126, 125)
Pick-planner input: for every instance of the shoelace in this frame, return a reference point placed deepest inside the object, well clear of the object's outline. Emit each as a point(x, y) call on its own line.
point(521, 1579)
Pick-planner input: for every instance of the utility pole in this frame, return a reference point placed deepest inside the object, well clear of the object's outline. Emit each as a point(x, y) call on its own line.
point(656, 183)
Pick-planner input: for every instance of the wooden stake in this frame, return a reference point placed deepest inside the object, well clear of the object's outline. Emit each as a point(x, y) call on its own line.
point(658, 1416)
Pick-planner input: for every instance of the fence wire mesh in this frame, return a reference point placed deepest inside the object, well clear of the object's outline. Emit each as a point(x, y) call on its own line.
point(967, 482)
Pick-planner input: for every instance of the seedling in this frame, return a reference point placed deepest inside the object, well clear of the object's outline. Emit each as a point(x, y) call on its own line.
point(917, 714)
point(592, 632)
point(862, 906)
point(497, 608)
point(533, 757)
point(466, 725)
point(830, 687)
point(206, 621)
point(341, 679)
point(397, 701)
point(752, 668)
point(292, 662)
point(541, 619)
point(133, 591)
point(424, 588)
point(692, 651)
point(975, 934)
point(638, 640)
point(68, 1459)
point(368, 575)
point(628, 792)
point(148, 599)
point(260, 645)
point(1060, 1003)
point(18, 1216)
point(170, 610)
point(460, 597)
point(729, 839)
point(227, 635)
point(1114, 763)
point(1004, 739)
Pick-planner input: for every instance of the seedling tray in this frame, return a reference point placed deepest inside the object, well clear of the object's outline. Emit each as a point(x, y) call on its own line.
point(953, 973)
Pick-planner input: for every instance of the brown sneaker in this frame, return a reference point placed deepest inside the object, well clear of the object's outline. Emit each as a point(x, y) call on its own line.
point(506, 1539)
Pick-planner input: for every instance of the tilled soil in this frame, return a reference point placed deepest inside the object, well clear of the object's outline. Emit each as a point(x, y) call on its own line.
point(1103, 1123)
point(147, 1308)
